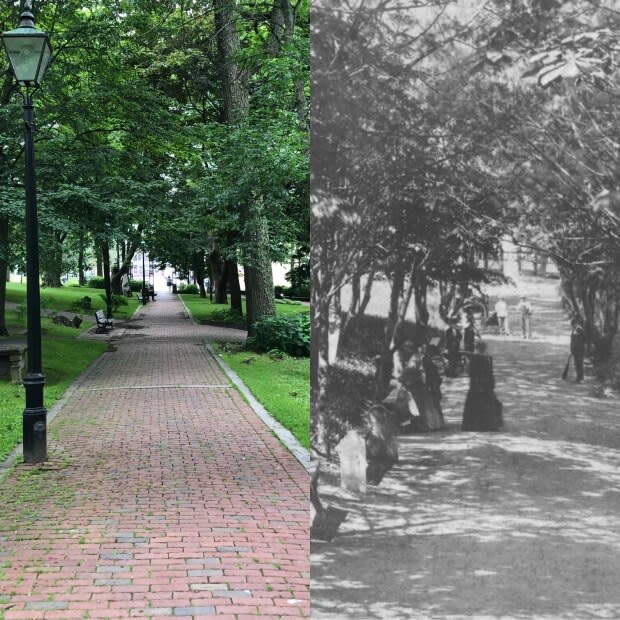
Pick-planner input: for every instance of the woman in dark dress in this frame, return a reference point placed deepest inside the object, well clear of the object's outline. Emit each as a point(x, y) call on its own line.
point(483, 410)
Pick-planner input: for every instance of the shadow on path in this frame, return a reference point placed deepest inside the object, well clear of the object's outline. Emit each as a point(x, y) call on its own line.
point(518, 524)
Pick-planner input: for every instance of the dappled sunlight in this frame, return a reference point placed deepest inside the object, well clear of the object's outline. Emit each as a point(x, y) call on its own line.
point(521, 523)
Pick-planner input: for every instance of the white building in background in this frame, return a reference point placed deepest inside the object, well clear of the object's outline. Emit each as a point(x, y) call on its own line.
point(158, 277)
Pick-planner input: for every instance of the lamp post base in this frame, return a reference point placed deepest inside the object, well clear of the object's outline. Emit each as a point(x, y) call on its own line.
point(35, 435)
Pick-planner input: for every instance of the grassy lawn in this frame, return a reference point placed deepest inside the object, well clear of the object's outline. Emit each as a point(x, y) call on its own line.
point(282, 386)
point(64, 358)
point(62, 299)
point(203, 310)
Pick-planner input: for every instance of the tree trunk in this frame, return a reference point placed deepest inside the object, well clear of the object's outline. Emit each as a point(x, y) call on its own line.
point(105, 251)
point(198, 267)
point(218, 281)
point(235, 93)
point(51, 258)
point(260, 299)
point(420, 297)
point(319, 352)
point(235, 289)
point(259, 294)
point(115, 282)
point(81, 278)
point(4, 262)
point(99, 265)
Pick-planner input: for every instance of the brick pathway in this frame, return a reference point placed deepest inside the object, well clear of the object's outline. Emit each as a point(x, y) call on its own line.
point(164, 496)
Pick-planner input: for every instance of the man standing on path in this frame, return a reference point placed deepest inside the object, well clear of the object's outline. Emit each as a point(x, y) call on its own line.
point(525, 310)
point(501, 310)
point(578, 347)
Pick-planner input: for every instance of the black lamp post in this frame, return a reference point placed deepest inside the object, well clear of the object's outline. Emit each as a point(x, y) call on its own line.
point(144, 295)
point(29, 53)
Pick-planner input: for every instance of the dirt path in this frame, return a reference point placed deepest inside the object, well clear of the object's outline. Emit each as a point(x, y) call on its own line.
point(518, 524)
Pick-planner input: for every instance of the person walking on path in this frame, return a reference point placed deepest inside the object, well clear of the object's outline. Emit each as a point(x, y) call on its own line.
point(578, 347)
point(483, 410)
point(524, 308)
point(165, 494)
point(501, 310)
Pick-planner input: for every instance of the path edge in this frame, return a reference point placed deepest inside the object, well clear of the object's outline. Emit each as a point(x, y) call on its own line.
point(11, 460)
point(282, 433)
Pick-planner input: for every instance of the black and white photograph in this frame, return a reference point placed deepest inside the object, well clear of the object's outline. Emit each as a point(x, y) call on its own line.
point(465, 265)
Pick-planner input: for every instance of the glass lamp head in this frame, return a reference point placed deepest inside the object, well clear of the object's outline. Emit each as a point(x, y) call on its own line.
point(28, 50)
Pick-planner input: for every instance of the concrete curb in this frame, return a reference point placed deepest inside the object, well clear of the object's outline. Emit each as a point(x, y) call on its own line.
point(17, 452)
point(283, 434)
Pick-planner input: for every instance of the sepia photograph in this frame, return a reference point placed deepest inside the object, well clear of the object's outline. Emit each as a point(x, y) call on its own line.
point(465, 265)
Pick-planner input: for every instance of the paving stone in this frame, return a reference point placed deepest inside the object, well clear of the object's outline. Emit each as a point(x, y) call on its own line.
point(51, 605)
point(193, 611)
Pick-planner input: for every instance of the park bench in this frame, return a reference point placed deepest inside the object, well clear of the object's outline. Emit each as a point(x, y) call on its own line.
point(150, 292)
point(102, 321)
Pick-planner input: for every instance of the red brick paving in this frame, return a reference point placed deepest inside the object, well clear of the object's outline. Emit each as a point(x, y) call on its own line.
point(164, 496)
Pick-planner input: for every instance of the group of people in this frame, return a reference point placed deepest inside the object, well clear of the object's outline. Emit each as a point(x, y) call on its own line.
point(415, 390)
point(524, 310)
point(414, 397)
point(453, 339)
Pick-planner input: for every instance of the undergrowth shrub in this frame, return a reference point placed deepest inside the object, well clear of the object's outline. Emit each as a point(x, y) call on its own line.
point(82, 305)
point(288, 333)
point(117, 301)
point(189, 289)
point(96, 282)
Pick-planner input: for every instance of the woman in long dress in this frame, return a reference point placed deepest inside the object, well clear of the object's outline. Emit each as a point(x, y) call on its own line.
point(424, 391)
point(483, 410)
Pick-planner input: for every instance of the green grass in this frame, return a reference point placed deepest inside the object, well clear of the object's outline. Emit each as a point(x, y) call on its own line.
point(62, 299)
point(282, 386)
point(203, 310)
point(64, 358)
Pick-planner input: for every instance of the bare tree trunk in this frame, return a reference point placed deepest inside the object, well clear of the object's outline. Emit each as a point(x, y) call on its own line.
point(125, 266)
point(81, 278)
point(235, 289)
point(218, 280)
point(51, 257)
point(260, 297)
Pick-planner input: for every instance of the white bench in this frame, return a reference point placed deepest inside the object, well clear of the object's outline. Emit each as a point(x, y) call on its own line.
point(102, 321)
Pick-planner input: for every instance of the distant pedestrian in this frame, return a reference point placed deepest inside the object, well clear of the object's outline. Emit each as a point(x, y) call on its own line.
point(501, 310)
point(525, 311)
point(169, 283)
point(453, 346)
point(578, 347)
